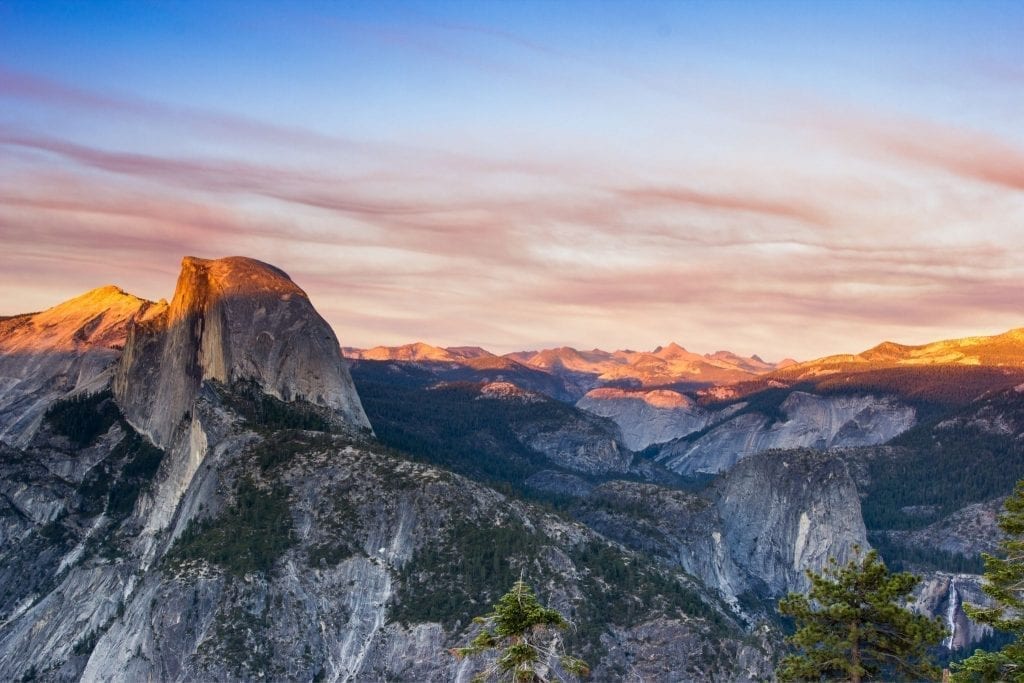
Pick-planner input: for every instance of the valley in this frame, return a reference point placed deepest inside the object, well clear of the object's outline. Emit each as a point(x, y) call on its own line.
point(214, 489)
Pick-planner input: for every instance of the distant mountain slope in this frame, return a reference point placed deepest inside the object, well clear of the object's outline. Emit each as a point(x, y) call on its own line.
point(66, 349)
point(580, 371)
point(1003, 351)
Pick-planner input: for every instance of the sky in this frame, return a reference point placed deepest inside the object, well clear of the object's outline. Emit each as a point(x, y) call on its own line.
point(781, 178)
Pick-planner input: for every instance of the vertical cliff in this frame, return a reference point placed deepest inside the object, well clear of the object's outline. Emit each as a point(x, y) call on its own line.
point(231, 319)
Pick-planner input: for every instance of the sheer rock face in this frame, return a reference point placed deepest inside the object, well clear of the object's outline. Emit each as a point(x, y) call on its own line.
point(784, 513)
point(231, 319)
point(755, 531)
point(943, 595)
point(68, 349)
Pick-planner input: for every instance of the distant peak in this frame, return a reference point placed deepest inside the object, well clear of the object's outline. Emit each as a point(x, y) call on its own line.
point(107, 290)
point(99, 299)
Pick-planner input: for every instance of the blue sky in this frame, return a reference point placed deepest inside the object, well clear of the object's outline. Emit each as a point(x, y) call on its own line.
point(517, 174)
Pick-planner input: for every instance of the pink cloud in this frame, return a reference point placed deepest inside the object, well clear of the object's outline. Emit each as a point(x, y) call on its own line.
point(968, 154)
point(682, 196)
point(26, 86)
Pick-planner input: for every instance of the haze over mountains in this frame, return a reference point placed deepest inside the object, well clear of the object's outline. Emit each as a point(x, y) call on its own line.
point(207, 489)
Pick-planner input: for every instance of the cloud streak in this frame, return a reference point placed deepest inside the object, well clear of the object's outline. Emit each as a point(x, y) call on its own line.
point(578, 238)
point(965, 153)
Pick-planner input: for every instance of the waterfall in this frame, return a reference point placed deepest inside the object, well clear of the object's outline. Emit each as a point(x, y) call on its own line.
point(954, 602)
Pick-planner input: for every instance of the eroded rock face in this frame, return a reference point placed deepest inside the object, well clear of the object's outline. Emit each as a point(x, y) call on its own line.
point(231, 319)
point(786, 512)
point(755, 531)
point(68, 349)
point(811, 421)
point(578, 445)
point(970, 531)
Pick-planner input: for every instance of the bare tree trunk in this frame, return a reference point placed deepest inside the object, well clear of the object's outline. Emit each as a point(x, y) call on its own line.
point(854, 653)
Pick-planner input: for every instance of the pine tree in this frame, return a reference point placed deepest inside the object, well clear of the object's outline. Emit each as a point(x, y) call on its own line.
point(525, 633)
point(853, 626)
point(1004, 583)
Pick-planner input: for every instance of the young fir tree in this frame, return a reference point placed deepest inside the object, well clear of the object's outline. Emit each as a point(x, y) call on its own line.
point(1004, 583)
point(853, 626)
point(525, 634)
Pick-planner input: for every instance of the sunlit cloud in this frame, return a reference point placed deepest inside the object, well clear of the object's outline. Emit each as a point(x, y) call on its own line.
point(594, 195)
point(969, 154)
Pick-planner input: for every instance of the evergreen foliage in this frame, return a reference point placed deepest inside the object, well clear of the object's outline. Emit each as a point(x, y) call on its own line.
point(249, 400)
point(525, 635)
point(141, 461)
point(451, 580)
point(1004, 583)
point(83, 418)
point(905, 557)
point(948, 469)
point(249, 536)
point(851, 626)
point(624, 592)
point(474, 439)
point(448, 581)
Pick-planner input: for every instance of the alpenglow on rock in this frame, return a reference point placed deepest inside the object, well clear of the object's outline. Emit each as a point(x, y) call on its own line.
point(68, 349)
point(231, 319)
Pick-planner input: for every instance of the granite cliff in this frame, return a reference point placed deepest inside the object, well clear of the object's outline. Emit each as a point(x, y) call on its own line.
point(231, 319)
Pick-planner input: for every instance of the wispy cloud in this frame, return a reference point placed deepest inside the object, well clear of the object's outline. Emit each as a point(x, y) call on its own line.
point(397, 241)
point(963, 152)
point(682, 196)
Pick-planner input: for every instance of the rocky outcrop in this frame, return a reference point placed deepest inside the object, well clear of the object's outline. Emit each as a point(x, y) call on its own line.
point(68, 349)
point(753, 533)
point(232, 319)
point(666, 650)
point(569, 438)
point(806, 421)
point(786, 512)
point(647, 417)
point(579, 445)
point(970, 531)
point(943, 595)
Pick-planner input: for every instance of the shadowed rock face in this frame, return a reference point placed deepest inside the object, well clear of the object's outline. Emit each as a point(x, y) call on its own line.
point(231, 319)
point(785, 512)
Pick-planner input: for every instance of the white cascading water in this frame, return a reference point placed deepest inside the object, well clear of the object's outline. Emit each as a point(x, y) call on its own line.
point(954, 602)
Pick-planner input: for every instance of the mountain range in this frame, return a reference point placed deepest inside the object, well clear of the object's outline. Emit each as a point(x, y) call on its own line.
point(209, 489)
point(580, 371)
